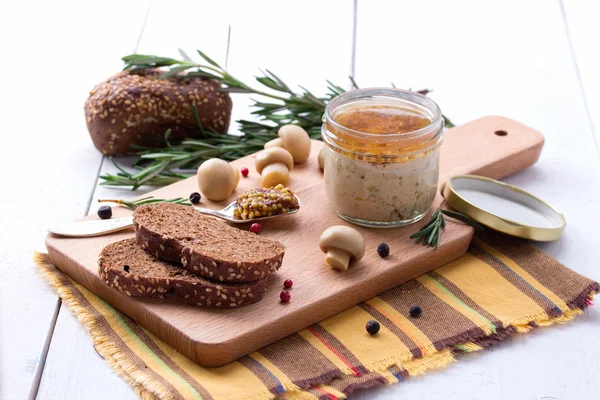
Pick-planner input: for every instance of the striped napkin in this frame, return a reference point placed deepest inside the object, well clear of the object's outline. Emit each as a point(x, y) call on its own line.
point(500, 287)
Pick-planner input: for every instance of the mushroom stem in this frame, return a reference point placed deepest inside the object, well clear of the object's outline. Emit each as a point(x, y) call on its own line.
point(337, 258)
point(275, 174)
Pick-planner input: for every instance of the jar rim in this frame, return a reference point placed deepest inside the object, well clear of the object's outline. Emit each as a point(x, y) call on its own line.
point(401, 94)
point(345, 139)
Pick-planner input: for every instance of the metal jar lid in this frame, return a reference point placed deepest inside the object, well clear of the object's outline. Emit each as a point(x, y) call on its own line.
point(505, 208)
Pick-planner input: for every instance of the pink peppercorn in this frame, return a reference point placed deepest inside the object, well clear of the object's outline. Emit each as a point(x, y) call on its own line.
point(288, 283)
point(255, 227)
point(244, 172)
point(285, 296)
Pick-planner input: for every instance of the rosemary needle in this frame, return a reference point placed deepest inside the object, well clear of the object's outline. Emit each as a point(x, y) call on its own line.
point(431, 232)
point(133, 204)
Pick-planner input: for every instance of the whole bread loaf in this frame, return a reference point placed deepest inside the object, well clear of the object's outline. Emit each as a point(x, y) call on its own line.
point(205, 245)
point(124, 266)
point(137, 108)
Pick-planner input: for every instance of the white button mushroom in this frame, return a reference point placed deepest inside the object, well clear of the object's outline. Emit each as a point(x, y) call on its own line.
point(321, 158)
point(274, 143)
point(295, 140)
point(274, 165)
point(341, 244)
point(236, 175)
point(217, 179)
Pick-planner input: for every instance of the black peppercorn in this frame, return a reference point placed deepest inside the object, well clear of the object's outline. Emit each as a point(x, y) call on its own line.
point(383, 250)
point(372, 327)
point(105, 212)
point(126, 268)
point(195, 197)
point(415, 311)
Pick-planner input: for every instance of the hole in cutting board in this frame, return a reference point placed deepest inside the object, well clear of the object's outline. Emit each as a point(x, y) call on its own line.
point(501, 133)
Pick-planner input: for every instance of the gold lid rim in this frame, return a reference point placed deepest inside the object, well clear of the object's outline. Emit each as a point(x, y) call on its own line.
point(500, 224)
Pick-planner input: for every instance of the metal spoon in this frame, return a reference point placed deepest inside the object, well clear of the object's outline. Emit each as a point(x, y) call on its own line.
point(105, 226)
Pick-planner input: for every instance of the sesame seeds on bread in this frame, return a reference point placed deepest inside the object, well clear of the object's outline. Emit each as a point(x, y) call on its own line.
point(124, 266)
point(204, 245)
point(137, 108)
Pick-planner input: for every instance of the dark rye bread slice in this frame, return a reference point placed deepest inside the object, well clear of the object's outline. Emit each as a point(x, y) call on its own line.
point(123, 265)
point(205, 245)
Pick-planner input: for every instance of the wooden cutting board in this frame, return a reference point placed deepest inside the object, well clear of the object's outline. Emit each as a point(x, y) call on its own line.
point(491, 146)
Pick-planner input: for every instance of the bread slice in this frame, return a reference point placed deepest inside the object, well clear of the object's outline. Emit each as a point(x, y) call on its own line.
point(205, 245)
point(124, 266)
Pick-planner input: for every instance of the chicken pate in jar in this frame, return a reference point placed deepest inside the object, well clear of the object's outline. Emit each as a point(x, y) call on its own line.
point(382, 156)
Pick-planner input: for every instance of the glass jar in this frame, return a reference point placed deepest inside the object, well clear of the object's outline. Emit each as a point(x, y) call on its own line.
point(382, 155)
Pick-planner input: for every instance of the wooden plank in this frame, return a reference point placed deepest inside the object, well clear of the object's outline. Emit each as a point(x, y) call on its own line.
point(319, 292)
point(53, 64)
point(93, 379)
point(267, 37)
point(583, 30)
point(510, 58)
point(67, 57)
point(286, 40)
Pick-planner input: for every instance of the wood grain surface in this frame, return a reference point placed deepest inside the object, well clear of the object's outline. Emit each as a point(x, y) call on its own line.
point(215, 337)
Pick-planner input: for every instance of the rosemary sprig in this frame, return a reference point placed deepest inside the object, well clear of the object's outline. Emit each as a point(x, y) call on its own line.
point(431, 232)
point(158, 167)
point(285, 106)
point(133, 204)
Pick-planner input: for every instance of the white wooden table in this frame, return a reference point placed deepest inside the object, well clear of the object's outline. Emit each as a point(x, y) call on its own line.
point(535, 61)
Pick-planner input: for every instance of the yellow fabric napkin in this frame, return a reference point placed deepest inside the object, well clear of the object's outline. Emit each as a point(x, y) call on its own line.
point(501, 286)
